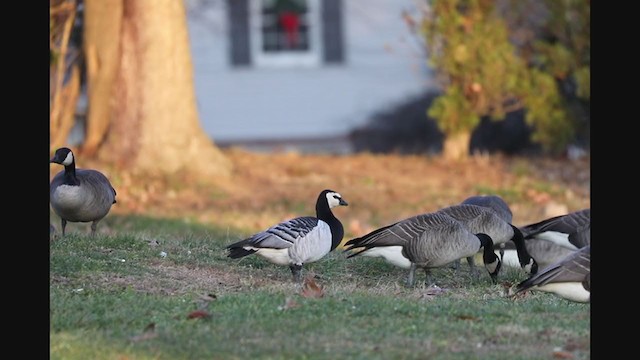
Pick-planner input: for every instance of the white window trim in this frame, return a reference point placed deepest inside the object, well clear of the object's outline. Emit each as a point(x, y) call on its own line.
point(310, 58)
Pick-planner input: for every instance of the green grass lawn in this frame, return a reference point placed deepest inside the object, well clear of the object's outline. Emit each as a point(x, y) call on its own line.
point(129, 292)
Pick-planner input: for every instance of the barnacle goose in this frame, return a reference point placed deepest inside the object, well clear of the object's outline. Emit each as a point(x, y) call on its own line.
point(297, 241)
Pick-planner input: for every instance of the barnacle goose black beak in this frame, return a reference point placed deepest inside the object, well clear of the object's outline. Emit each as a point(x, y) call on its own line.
point(343, 203)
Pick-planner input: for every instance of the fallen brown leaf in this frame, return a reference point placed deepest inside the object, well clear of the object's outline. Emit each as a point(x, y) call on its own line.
point(467, 317)
point(311, 289)
point(199, 314)
point(562, 355)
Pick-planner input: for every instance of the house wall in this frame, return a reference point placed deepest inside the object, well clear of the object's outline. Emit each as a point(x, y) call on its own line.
point(384, 66)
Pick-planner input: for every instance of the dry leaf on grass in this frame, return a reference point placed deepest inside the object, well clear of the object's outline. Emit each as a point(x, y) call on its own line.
point(467, 317)
point(562, 355)
point(199, 314)
point(311, 289)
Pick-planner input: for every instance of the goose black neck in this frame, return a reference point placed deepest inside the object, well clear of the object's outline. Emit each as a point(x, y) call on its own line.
point(486, 242)
point(70, 177)
point(521, 249)
point(324, 213)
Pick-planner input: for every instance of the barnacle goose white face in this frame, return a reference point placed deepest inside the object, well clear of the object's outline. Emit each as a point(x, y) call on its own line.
point(334, 199)
point(68, 160)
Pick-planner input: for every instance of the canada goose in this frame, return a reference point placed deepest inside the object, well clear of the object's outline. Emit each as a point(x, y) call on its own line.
point(494, 202)
point(569, 278)
point(297, 241)
point(479, 219)
point(572, 230)
point(497, 204)
point(543, 251)
point(79, 195)
point(426, 241)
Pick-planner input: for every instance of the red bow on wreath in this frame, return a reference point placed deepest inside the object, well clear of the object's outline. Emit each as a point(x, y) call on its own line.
point(289, 18)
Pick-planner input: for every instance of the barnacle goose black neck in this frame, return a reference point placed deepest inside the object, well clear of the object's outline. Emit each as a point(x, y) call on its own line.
point(79, 195)
point(572, 230)
point(569, 278)
point(297, 241)
point(426, 241)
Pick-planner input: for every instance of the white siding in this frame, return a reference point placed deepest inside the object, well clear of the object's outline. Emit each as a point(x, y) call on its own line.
point(382, 68)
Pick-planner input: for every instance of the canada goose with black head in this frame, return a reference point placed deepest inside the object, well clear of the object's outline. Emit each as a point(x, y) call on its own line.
point(480, 219)
point(79, 195)
point(493, 202)
point(425, 241)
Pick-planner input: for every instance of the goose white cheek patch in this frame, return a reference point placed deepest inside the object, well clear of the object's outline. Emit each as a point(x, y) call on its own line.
point(333, 202)
point(68, 160)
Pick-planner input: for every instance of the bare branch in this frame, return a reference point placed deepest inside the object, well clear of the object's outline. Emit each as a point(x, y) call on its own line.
point(54, 115)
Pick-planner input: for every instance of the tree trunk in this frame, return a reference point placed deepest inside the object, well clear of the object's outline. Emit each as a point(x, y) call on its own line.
point(102, 26)
point(68, 100)
point(456, 146)
point(154, 125)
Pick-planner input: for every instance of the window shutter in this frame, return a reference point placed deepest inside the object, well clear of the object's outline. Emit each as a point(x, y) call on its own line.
point(239, 32)
point(332, 33)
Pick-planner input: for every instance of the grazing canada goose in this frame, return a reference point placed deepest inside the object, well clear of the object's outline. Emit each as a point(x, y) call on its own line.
point(297, 241)
point(494, 202)
point(572, 230)
point(497, 204)
point(570, 278)
point(543, 251)
point(479, 219)
point(426, 241)
point(79, 195)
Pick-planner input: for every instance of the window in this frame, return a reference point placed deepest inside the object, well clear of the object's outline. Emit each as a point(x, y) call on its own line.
point(284, 26)
point(285, 33)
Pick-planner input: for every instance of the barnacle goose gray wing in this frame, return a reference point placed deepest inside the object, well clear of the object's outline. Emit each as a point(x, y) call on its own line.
point(280, 236)
point(297, 241)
